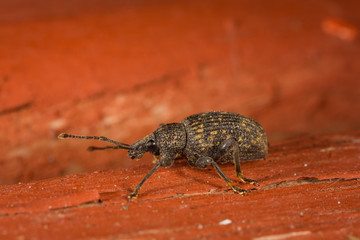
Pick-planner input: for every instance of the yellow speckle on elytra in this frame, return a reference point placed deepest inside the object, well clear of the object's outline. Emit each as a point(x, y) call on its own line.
point(198, 136)
point(243, 124)
point(211, 138)
point(223, 131)
point(213, 132)
point(228, 137)
point(247, 129)
point(200, 130)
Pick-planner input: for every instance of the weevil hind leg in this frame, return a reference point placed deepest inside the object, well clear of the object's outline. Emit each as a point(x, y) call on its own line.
point(231, 146)
point(203, 162)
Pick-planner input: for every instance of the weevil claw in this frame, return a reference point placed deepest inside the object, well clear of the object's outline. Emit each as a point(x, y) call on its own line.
point(240, 191)
point(132, 195)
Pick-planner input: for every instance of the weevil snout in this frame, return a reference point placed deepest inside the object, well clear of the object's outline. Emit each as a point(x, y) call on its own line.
point(147, 144)
point(136, 153)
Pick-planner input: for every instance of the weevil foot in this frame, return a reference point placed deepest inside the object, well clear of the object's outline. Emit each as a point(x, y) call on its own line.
point(240, 191)
point(132, 195)
point(236, 189)
point(248, 180)
point(251, 181)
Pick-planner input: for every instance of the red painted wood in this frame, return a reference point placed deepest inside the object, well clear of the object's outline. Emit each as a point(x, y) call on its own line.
point(120, 68)
point(309, 189)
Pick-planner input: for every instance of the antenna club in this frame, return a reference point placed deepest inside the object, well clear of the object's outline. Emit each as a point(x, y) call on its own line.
point(63, 135)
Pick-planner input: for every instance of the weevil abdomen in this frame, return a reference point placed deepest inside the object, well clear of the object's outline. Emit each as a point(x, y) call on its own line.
point(206, 131)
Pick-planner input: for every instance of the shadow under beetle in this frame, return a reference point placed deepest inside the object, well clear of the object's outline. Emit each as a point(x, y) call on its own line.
point(203, 139)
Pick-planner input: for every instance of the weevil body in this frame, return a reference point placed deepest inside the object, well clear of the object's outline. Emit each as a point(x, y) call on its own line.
point(203, 139)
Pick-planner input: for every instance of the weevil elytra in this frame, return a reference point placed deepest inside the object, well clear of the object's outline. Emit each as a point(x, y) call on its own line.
point(203, 139)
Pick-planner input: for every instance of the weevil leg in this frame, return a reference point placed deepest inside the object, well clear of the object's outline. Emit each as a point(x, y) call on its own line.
point(137, 188)
point(164, 161)
point(232, 146)
point(207, 161)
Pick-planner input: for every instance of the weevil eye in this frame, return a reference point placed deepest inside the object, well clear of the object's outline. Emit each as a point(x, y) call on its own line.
point(152, 147)
point(150, 143)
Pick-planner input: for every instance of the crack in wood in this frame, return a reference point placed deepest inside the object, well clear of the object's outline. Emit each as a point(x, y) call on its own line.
point(304, 181)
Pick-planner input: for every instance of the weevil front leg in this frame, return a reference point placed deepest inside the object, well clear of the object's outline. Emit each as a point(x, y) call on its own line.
point(137, 188)
point(232, 146)
point(207, 161)
point(165, 161)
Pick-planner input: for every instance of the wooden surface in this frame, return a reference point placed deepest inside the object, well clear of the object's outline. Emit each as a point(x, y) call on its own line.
point(120, 68)
point(309, 189)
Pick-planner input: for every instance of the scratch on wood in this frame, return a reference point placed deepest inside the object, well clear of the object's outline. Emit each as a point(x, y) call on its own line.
point(15, 109)
point(283, 236)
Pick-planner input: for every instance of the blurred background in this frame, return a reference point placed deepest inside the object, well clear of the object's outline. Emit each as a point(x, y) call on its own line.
point(120, 68)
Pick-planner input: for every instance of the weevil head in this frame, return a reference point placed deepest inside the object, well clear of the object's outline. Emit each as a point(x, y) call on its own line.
point(147, 144)
point(167, 138)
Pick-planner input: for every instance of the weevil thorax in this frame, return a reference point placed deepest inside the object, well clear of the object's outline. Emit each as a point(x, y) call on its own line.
point(170, 138)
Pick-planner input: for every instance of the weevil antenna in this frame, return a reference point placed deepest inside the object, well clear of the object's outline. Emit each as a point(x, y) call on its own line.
point(93, 148)
point(119, 145)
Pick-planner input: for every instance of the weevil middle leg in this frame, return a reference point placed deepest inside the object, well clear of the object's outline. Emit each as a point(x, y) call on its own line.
point(203, 162)
point(231, 146)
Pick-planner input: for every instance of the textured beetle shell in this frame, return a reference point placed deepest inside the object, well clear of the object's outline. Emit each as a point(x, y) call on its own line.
point(170, 138)
point(206, 131)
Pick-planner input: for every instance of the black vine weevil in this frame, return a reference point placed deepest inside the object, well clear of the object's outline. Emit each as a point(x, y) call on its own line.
point(203, 139)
